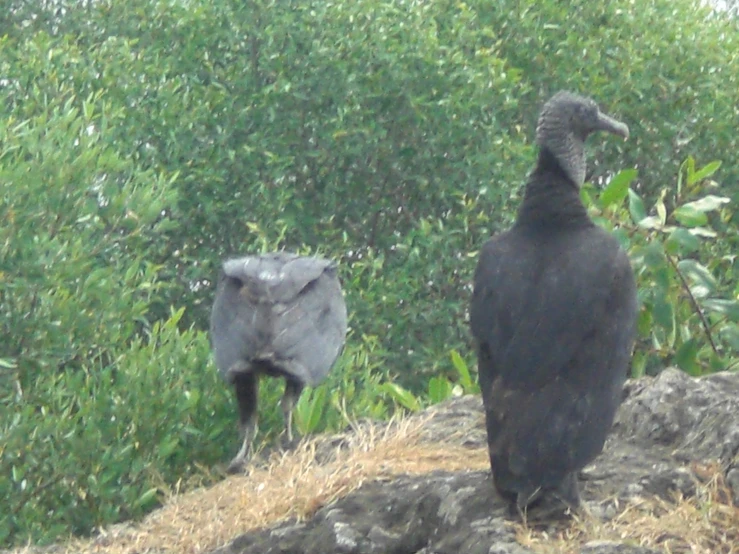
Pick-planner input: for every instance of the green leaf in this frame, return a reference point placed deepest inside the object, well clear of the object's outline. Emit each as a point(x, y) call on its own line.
point(686, 357)
point(310, 409)
point(730, 334)
point(698, 273)
point(465, 379)
point(644, 322)
point(651, 222)
point(440, 389)
point(148, 498)
point(704, 172)
point(707, 203)
point(586, 195)
point(617, 190)
point(167, 447)
point(636, 207)
point(318, 406)
point(729, 308)
point(680, 179)
point(402, 396)
point(689, 216)
point(703, 232)
point(661, 211)
point(17, 473)
point(654, 255)
point(638, 364)
point(688, 166)
point(683, 241)
point(664, 315)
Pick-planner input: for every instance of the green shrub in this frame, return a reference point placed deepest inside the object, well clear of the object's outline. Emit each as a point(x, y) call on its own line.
point(390, 132)
point(689, 317)
point(98, 444)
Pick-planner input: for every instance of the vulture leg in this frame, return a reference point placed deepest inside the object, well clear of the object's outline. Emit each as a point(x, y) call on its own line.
point(568, 491)
point(527, 497)
point(293, 388)
point(246, 385)
point(557, 503)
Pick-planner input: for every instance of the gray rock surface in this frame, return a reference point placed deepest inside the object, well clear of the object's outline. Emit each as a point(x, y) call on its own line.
point(610, 547)
point(664, 424)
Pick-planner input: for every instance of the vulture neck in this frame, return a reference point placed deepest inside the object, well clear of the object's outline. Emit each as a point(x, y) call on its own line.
point(552, 199)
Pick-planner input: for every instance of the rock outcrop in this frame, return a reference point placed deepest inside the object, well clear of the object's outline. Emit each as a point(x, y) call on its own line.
point(674, 436)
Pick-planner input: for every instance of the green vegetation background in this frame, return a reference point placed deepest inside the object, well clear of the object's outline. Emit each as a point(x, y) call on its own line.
point(141, 142)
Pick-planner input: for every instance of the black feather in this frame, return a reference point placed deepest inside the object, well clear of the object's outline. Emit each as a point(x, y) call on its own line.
point(553, 314)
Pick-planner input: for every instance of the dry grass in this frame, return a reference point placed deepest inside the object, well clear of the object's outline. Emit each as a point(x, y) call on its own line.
point(296, 484)
point(292, 484)
point(705, 524)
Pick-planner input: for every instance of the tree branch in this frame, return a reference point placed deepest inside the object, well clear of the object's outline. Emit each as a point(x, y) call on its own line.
point(694, 302)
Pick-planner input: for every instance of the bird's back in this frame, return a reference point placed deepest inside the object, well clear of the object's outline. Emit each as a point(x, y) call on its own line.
point(280, 309)
point(553, 315)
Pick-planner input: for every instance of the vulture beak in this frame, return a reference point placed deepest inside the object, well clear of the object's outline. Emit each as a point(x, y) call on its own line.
point(610, 125)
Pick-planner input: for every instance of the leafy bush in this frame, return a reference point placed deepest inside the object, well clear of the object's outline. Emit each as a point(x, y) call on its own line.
point(76, 268)
point(375, 133)
point(688, 317)
point(98, 444)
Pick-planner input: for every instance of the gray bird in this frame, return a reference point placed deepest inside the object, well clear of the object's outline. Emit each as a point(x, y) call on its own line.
point(280, 315)
point(553, 315)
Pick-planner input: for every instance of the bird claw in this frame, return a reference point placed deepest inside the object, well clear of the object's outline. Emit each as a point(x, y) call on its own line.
point(289, 441)
point(237, 465)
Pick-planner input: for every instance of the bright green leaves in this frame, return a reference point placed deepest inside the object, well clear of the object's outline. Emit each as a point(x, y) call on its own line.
point(693, 214)
point(703, 281)
point(691, 177)
point(687, 317)
point(402, 396)
point(682, 241)
point(104, 443)
point(636, 207)
point(617, 189)
point(310, 409)
point(724, 307)
point(463, 373)
point(690, 216)
point(440, 387)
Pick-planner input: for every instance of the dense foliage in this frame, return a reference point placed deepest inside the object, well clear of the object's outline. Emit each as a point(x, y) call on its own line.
point(143, 141)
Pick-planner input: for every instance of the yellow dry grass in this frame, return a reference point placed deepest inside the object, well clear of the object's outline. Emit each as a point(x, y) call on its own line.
point(293, 484)
point(707, 523)
point(296, 484)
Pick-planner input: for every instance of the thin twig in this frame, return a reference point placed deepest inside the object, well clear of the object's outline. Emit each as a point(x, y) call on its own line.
point(693, 301)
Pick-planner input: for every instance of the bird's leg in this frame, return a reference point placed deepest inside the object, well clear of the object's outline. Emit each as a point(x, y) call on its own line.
point(568, 491)
point(246, 385)
point(293, 388)
point(551, 504)
point(526, 498)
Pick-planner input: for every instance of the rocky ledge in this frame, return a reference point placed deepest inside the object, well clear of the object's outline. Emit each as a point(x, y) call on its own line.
point(674, 438)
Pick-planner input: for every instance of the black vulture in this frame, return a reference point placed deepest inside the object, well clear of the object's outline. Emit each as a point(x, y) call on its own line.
point(553, 315)
point(280, 315)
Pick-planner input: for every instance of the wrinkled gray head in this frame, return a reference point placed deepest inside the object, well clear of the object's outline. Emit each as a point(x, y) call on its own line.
point(565, 122)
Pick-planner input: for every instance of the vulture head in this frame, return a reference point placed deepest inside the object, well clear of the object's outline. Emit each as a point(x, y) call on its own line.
point(565, 122)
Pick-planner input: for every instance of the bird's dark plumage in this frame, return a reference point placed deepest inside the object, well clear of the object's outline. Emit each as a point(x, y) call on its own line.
point(553, 315)
point(276, 314)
